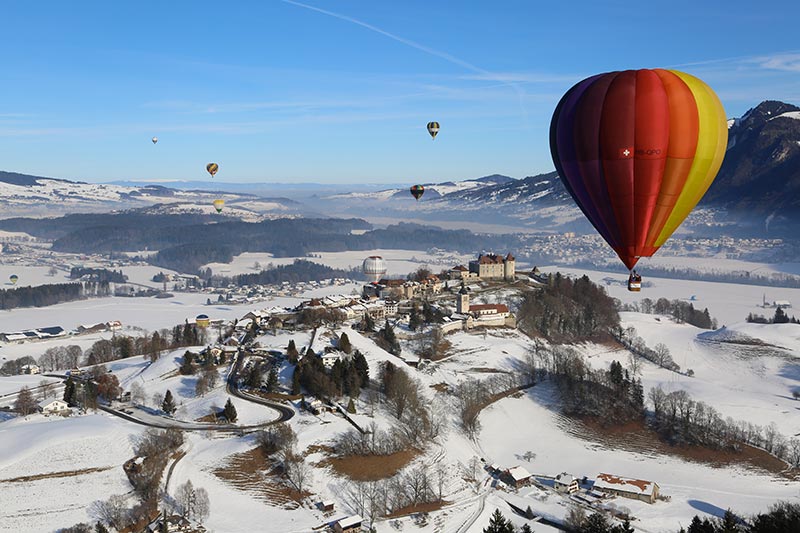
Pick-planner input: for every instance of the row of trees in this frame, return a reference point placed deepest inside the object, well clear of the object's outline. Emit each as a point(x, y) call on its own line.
point(567, 310)
point(680, 310)
point(45, 295)
point(780, 317)
point(681, 420)
point(659, 354)
point(98, 274)
point(280, 442)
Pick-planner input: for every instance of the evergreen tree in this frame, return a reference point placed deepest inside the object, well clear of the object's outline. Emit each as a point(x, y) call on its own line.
point(729, 523)
point(229, 411)
point(272, 380)
point(391, 344)
point(344, 343)
point(187, 365)
point(100, 528)
point(414, 321)
point(368, 323)
point(499, 524)
point(168, 405)
point(780, 317)
point(362, 367)
point(351, 407)
point(296, 381)
point(291, 352)
point(700, 526)
point(69, 392)
point(526, 529)
point(596, 523)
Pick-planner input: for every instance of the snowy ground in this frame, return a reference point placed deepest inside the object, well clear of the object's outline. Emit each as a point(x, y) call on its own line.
point(398, 262)
point(727, 302)
point(746, 385)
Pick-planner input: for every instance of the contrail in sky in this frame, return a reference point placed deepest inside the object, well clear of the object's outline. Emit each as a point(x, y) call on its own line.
point(443, 55)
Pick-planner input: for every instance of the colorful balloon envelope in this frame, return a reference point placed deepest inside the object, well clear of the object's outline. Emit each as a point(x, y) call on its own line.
point(218, 205)
point(202, 321)
point(155, 140)
point(212, 168)
point(637, 150)
point(13, 278)
point(433, 129)
point(417, 191)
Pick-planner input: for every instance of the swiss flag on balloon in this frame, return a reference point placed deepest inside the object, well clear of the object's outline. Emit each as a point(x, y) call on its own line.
point(626, 153)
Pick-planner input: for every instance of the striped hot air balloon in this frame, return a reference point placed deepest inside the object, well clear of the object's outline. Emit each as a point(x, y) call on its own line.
point(212, 168)
point(637, 150)
point(374, 268)
point(433, 129)
point(417, 191)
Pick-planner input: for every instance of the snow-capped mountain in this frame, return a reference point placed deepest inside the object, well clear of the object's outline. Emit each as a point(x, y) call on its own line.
point(24, 195)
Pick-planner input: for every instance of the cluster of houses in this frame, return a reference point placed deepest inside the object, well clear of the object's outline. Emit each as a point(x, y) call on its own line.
point(604, 485)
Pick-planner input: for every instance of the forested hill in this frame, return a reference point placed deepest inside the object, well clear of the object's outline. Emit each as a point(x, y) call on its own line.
point(184, 242)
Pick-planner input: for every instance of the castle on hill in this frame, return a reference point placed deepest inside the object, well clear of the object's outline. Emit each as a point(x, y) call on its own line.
point(487, 267)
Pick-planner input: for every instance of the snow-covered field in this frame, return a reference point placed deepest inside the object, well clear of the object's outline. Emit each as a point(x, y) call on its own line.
point(727, 302)
point(745, 385)
point(398, 262)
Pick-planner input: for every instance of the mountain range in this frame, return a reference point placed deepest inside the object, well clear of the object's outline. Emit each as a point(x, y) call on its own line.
point(759, 181)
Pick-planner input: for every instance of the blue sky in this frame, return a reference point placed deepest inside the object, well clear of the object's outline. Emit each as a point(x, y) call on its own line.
point(340, 92)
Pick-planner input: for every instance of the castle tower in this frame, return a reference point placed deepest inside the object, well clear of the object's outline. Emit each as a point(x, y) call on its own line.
point(509, 267)
point(462, 303)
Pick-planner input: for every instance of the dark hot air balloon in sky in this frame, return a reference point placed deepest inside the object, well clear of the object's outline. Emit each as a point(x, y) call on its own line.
point(637, 150)
point(417, 191)
point(212, 168)
point(433, 129)
point(155, 140)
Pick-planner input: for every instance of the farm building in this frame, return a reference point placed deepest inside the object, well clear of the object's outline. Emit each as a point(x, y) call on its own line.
point(566, 483)
point(636, 489)
point(517, 476)
point(351, 524)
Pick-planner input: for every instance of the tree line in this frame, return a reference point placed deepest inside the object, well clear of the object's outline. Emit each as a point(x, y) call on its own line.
point(680, 310)
point(780, 317)
point(44, 295)
point(98, 274)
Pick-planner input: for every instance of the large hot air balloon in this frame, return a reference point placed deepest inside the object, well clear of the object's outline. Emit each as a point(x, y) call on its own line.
point(13, 278)
point(202, 321)
point(219, 204)
point(637, 150)
point(212, 168)
point(417, 191)
point(433, 129)
point(155, 140)
point(374, 268)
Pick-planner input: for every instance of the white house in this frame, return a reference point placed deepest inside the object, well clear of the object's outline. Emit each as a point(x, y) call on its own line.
point(52, 407)
point(30, 369)
point(566, 483)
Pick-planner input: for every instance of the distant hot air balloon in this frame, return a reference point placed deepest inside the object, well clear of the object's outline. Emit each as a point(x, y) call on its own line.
point(212, 168)
point(218, 205)
point(374, 268)
point(155, 140)
point(433, 129)
point(14, 279)
point(637, 150)
point(417, 191)
point(202, 321)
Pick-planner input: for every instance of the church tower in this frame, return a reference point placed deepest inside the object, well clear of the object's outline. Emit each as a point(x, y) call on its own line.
point(462, 303)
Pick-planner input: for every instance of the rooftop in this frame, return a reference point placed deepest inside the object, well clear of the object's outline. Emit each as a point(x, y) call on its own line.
point(637, 486)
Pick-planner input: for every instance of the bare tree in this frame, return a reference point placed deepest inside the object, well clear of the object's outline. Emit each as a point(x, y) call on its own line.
point(46, 389)
point(137, 393)
point(202, 505)
point(25, 403)
point(662, 354)
point(576, 517)
point(201, 386)
point(297, 471)
point(112, 511)
point(185, 498)
point(635, 364)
